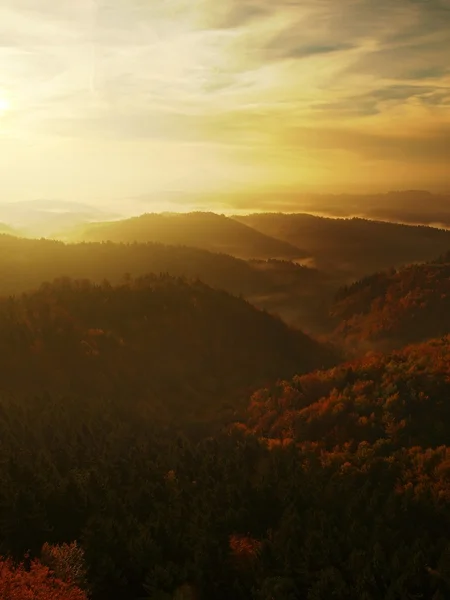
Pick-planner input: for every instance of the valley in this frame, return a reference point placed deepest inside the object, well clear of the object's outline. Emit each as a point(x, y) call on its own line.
point(192, 412)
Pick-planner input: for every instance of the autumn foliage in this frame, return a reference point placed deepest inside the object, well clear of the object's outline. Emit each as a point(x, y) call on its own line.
point(396, 307)
point(398, 397)
point(244, 549)
point(333, 483)
point(36, 583)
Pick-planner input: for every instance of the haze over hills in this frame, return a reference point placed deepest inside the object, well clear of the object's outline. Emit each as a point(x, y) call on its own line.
point(353, 247)
point(71, 221)
point(25, 263)
point(248, 438)
point(340, 251)
point(145, 384)
point(419, 207)
point(7, 229)
point(202, 230)
point(224, 328)
point(298, 294)
point(410, 206)
point(44, 218)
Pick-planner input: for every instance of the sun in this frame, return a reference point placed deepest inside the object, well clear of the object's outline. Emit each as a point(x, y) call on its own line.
point(5, 105)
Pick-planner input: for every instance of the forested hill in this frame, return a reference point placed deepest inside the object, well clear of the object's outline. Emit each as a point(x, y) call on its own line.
point(6, 229)
point(353, 247)
point(26, 263)
point(182, 348)
point(299, 294)
point(396, 307)
point(400, 398)
point(195, 447)
point(318, 496)
point(209, 231)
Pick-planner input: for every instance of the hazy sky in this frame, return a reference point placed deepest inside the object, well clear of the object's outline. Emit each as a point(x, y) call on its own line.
point(110, 99)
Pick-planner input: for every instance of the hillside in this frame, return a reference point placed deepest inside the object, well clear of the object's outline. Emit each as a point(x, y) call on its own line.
point(36, 218)
point(182, 347)
point(300, 295)
point(131, 425)
point(6, 229)
point(245, 513)
point(400, 398)
point(26, 263)
point(405, 206)
point(396, 307)
point(352, 248)
point(209, 231)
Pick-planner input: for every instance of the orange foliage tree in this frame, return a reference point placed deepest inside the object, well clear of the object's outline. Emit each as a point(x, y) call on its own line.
point(36, 583)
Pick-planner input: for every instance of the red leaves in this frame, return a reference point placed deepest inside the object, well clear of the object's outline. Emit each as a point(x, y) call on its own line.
point(244, 549)
point(405, 306)
point(35, 583)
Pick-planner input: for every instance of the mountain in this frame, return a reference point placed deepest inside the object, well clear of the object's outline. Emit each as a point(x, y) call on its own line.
point(181, 347)
point(161, 438)
point(352, 248)
point(6, 229)
point(396, 307)
point(298, 294)
point(26, 263)
point(418, 207)
point(399, 398)
point(43, 218)
point(318, 495)
point(209, 231)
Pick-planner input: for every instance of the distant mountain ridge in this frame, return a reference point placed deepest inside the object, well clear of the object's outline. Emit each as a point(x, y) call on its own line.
point(37, 218)
point(7, 229)
point(353, 246)
point(26, 263)
point(414, 207)
point(299, 295)
point(417, 207)
point(209, 231)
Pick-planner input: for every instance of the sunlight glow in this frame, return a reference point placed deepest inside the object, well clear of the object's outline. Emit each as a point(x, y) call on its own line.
point(5, 105)
point(136, 98)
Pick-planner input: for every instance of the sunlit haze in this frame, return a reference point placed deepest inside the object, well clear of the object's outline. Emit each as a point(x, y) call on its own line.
point(4, 105)
point(125, 101)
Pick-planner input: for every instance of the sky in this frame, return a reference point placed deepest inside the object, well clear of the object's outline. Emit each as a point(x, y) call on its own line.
point(116, 101)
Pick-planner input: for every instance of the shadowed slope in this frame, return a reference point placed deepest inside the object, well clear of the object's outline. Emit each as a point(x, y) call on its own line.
point(353, 247)
point(182, 347)
point(202, 230)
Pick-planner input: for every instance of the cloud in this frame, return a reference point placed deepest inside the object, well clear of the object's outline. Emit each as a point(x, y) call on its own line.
point(378, 100)
point(427, 146)
point(299, 88)
point(278, 49)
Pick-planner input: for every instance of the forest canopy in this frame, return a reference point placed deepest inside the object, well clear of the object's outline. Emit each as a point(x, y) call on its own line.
point(164, 439)
point(395, 307)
